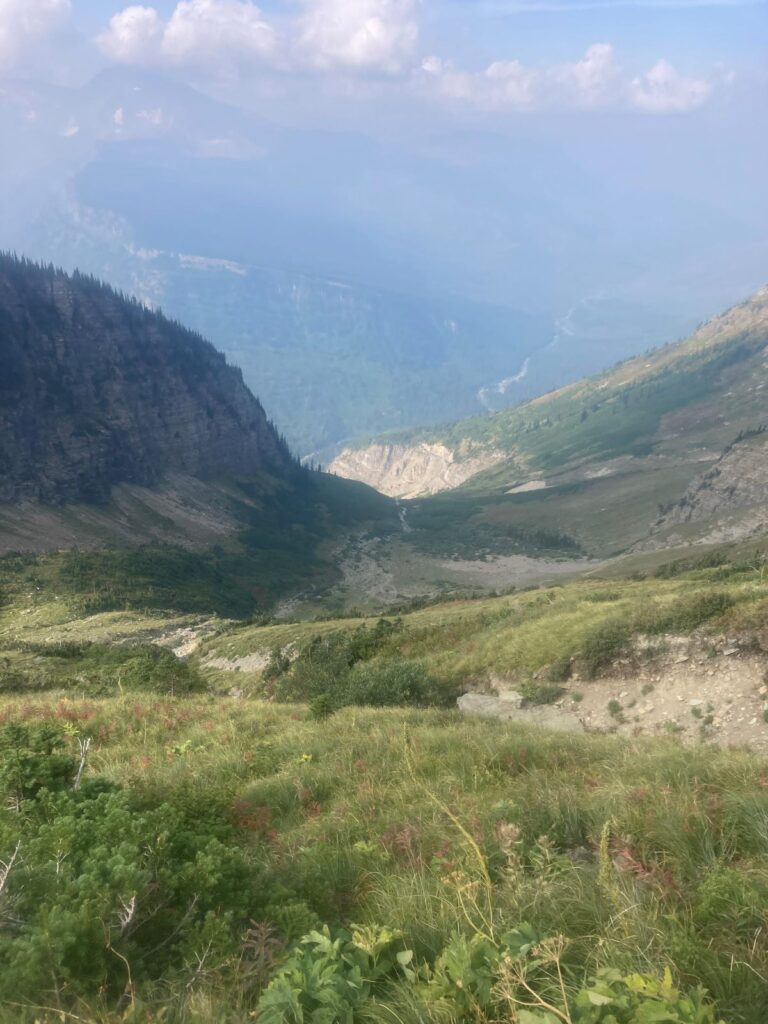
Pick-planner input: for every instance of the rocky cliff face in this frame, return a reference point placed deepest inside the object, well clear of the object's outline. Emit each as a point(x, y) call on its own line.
point(96, 391)
point(411, 471)
point(731, 498)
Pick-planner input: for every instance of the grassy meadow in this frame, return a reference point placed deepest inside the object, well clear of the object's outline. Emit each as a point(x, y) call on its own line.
point(445, 869)
point(528, 636)
point(172, 854)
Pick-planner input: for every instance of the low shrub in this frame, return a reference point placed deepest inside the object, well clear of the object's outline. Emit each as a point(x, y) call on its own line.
point(95, 670)
point(541, 693)
point(685, 614)
point(393, 683)
point(33, 758)
point(342, 668)
point(605, 643)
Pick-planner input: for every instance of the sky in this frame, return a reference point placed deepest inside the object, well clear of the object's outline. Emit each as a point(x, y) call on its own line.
point(490, 59)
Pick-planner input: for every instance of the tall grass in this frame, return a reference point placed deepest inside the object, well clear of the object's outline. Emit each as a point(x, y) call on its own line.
point(640, 854)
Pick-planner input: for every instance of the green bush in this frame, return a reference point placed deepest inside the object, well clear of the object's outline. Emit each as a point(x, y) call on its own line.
point(96, 669)
point(350, 667)
point(608, 641)
point(392, 683)
point(541, 693)
point(101, 881)
point(33, 758)
point(323, 706)
point(101, 884)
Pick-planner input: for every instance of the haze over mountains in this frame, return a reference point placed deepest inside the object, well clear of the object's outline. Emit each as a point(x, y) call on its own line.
point(669, 443)
point(414, 278)
point(121, 428)
point(485, 741)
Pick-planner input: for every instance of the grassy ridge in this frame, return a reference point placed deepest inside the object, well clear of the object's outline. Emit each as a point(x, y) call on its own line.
point(613, 450)
point(520, 635)
point(621, 410)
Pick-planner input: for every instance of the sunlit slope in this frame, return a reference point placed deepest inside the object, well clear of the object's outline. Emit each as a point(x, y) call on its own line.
point(603, 459)
point(698, 392)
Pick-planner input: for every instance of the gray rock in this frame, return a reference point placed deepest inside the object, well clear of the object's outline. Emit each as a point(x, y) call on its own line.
point(546, 716)
point(511, 697)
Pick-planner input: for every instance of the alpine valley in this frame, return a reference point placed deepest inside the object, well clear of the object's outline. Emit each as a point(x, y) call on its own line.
point(477, 736)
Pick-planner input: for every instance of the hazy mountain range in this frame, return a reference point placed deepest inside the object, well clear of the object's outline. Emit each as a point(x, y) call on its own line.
point(365, 284)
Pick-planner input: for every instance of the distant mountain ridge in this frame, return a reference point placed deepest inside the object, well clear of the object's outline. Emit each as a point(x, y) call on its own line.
point(665, 399)
point(97, 391)
point(630, 454)
point(463, 256)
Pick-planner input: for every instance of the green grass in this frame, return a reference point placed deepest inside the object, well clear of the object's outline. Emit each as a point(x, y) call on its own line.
point(208, 835)
point(641, 854)
point(278, 552)
point(587, 623)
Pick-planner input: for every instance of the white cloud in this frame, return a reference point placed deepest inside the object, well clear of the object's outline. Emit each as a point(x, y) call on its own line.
point(589, 81)
point(376, 37)
point(597, 80)
point(217, 31)
point(134, 36)
point(21, 21)
point(505, 83)
point(663, 90)
point(358, 35)
point(211, 33)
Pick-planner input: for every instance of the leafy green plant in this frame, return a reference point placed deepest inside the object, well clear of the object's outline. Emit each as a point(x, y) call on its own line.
point(614, 998)
point(330, 976)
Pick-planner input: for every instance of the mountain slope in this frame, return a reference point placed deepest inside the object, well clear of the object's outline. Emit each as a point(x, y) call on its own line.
point(599, 457)
point(727, 502)
point(97, 391)
point(120, 431)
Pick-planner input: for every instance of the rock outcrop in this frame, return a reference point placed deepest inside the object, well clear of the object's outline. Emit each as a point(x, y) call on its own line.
point(730, 498)
point(510, 707)
point(411, 470)
point(96, 390)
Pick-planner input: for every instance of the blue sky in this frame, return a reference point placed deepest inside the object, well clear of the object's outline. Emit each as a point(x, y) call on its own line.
point(699, 38)
point(691, 33)
point(696, 30)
